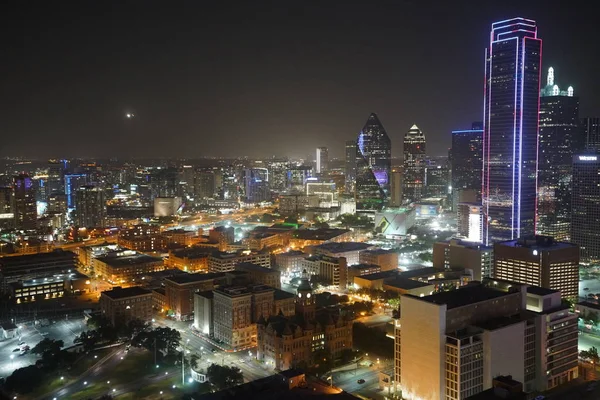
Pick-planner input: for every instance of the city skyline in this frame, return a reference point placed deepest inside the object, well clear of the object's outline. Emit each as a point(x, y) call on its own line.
point(117, 70)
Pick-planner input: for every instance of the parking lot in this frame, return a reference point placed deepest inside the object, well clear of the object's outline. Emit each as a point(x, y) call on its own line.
point(64, 329)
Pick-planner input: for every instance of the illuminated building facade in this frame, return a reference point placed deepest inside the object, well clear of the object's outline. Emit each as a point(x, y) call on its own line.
point(466, 160)
point(322, 160)
point(72, 183)
point(350, 165)
point(414, 164)
point(25, 208)
point(558, 139)
point(373, 166)
point(296, 177)
point(510, 137)
point(591, 133)
point(204, 184)
point(585, 217)
point(256, 185)
point(539, 261)
point(90, 207)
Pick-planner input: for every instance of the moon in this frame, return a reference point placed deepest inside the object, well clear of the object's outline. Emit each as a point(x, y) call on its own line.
point(130, 115)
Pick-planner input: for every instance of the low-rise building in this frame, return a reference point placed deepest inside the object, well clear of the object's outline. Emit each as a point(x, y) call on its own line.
point(180, 291)
point(189, 259)
point(203, 312)
point(126, 266)
point(121, 305)
point(386, 259)
point(290, 262)
point(48, 287)
point(332, 271)
point(223, 262)
point(261, 275)
point(314, 237)
point(349, 250)
point(460, 254)
point(159, 299)
point(284, 303)
point(181, 237)
point(261, 240)
point(286, 342)
point(360, 270)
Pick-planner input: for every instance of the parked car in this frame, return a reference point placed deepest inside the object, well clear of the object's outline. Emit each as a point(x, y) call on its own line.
point(360, 381)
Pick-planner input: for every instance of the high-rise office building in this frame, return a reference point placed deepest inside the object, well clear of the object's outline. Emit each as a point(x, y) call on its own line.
point(256, 185)
point(414, 164)
point(539, 261)
point(56, 174)
point(25, 207)
point(350, 165)
point(296, 177)
point(510, 135)
point(558, 140)
point(466, 161)
point(373, 166)
point(72, 183)
point(591, 133)
point(164, 182)
point(204, 184)
point(585, 212)
point(187, 180)
point(451, 345)
point(322, 160)
point(90, 207)
point(396, 188)
point(437, 180)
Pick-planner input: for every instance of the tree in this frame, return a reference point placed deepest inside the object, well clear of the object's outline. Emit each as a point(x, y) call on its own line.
point(194, 361)
point(223, 377)
point(267, 218)
point(165, 340)
point(88, 339)
point(291, 220)
point(590, 355)
point(47, 346)
point(24, 380)
point(322, 361)
point(346, 356)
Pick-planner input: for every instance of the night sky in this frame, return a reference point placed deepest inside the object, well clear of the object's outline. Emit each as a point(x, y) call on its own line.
point(261, 78)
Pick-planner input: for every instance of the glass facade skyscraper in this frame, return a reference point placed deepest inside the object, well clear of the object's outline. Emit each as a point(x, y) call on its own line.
point(510, 134)
point(466, 158)
point(414, 164)
point(373, 166)
point(585, 217)
point(350, 165)
point(558, 141)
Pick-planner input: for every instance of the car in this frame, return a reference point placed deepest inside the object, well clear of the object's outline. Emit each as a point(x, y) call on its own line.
point(360, 381)
point(242, 360)
point(213, 350)
point(21, 344)
point(586, 288)
point(17, 349)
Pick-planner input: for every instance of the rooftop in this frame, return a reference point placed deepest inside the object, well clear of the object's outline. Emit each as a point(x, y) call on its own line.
point(292, 253)
point(121, 293)
point(182, 279)
point(500, 322)
point(405, 283)
point(244, 253)
point(363, 266)
point(50, 279)
point(464, 296)
point(319, 234)
point(540, 291)
point(343, 247)
point(193, 252)
point(127, 258)
point(234, 291)
point(246, 266)
point(379, 275)
point(282, 295)
point(379, 251)
point(415, 273)
point(207, 294)
point(589, 304)
point(542, 243)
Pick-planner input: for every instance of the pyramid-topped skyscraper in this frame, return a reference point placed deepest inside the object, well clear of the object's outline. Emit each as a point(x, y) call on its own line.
point(373, 166)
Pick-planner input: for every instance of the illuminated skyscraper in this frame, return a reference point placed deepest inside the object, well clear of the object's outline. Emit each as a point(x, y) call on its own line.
point(466, 161)
point(350, 166)
point(322, 160)
point(25, 206)
point(373, 166)
point(72, 183)
point(510, 134)
point(585, 218)
point(256, 185)
point(558, 140)
point(90, 207)
point(591, 133)
point(414, 164)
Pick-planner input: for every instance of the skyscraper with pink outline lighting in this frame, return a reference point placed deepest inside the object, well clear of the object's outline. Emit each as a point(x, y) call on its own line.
point(510, 136)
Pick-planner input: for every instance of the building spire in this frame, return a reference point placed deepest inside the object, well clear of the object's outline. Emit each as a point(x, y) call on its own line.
point(550, 81)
